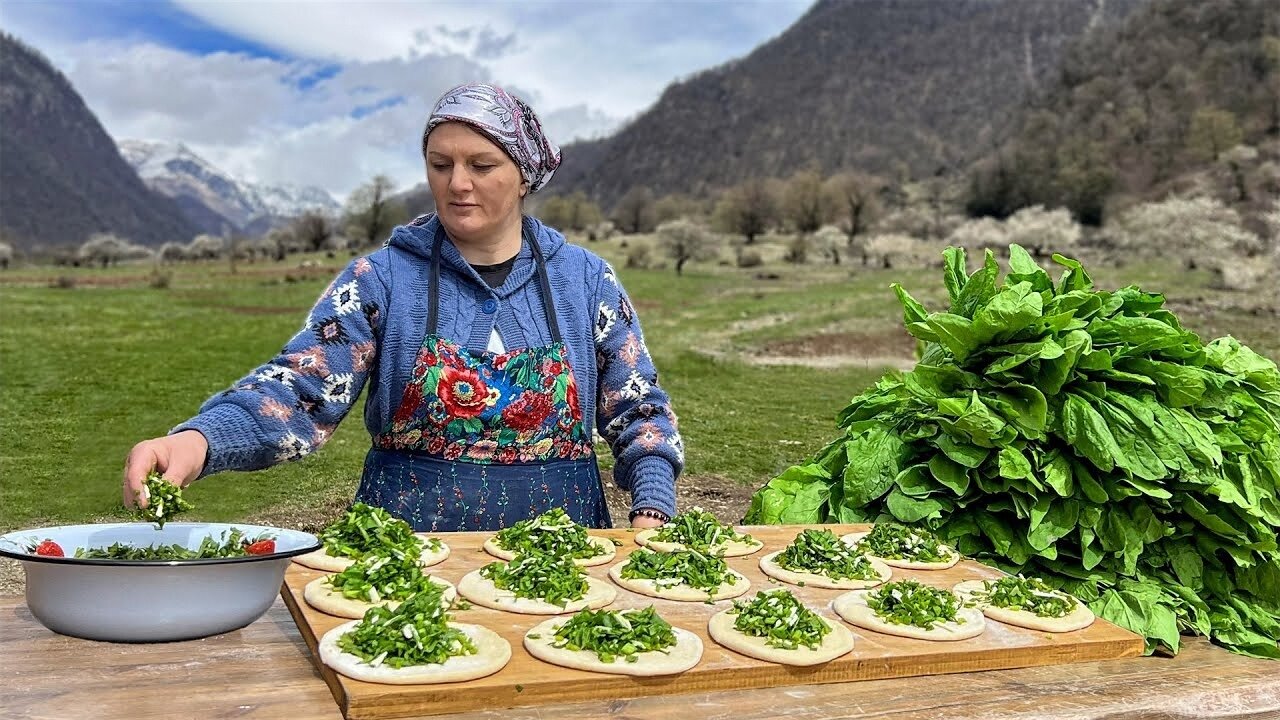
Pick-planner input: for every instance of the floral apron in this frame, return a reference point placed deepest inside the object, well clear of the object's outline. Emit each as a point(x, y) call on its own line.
point(480, 441)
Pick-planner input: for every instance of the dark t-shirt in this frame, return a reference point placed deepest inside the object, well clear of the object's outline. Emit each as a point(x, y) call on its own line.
point(495, 275)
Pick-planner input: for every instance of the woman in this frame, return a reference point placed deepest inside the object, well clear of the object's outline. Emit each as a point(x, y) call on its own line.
point(487, 342)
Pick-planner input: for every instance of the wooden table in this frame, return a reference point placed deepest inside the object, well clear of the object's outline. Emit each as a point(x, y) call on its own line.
point(265, 672)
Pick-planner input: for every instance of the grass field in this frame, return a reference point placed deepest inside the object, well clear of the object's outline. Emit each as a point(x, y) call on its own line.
point(757, 367)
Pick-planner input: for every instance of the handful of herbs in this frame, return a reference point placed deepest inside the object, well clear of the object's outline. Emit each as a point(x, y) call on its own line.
point(684, 567)
point(164, 500)
point(613, 634)
point(907, 602)
point(374, 578)
point(551, 532)
point(822, 553)
point(898, 542)
point(782, 620)
point(1079, 435)
point(365, 530)
point(697, 528)
point(233, 544)
point(415, 633)
point(553, 578)
point(1027, 594)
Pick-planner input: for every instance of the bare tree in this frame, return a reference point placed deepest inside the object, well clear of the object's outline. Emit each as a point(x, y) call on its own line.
point(804, 202)
point(634, 212)
point(747, 210)
point(855, 199)
point(313, 229)
point(371, 213)
point(6, 255)
point(105, 248)
point(685, 240)
point(206, 247)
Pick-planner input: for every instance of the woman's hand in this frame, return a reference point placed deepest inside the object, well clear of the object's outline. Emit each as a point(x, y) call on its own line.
point(644, 521)
point(179, 457)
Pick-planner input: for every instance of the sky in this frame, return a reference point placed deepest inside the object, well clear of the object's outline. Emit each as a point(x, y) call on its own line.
point(331, 93)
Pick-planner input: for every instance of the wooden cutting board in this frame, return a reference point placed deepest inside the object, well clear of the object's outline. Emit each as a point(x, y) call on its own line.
point(527, 681)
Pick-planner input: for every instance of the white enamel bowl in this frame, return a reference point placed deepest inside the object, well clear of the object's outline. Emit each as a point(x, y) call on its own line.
point(149, 601)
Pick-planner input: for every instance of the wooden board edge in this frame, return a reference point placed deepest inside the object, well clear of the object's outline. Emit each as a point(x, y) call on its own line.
point(331, 678)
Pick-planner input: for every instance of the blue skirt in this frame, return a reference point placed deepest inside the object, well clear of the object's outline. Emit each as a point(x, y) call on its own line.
point(437, 495)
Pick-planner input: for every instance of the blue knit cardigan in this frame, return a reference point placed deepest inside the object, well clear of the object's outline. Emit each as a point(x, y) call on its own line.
point(369, 323)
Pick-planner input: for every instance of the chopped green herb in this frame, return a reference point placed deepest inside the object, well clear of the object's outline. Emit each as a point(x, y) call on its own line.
point(374, 578)
point(233, 544)
point(365, 530)
point(781, 619)
point(416, 633)
point(519, 687)
point(907, 602)
point(164, 500)
point(553, 578)
point(1028, 594)
point(697, 528)
point(898, 542)
point(822, 553)
point(616, 634)
point(698, 570)
point(551, 532)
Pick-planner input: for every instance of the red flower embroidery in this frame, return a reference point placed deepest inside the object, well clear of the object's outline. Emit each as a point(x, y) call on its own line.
point(454, 451)
point(463, 392)
point(412, 399)
point(571, 395)
point(435, 444)
point(429, 359)
point(507, 455)
point(527, 412)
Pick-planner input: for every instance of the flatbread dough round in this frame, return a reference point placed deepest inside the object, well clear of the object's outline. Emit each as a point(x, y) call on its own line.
point(491, 547)
point(769, 566)
point(1079, 618)
point(852, 606)
point(680, 592)
point(322, 560)
point(732, 548)
point(684, 655)
point(853, 538)
point(492, 654)
point(834, 644)
point(331, 602)
point(481, 591)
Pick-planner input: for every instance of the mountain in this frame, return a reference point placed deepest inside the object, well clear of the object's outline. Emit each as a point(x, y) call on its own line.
point(883, 86)
point(61, 176)
point(214, 200)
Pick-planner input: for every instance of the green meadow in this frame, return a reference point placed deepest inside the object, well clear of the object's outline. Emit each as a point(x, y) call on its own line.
point(758, 362)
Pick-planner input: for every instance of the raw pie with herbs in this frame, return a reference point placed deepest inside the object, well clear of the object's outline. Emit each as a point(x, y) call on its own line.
point(903, 547)
point(1026, 602)
point(687, 575)
point(911, 609)
point(367, 530)
point(697, 529)
point(623, 642)
point(552, 532)
point(375, 581)
point(776, 627)
point(539, 584)
point(413, 644)
point(818, 558)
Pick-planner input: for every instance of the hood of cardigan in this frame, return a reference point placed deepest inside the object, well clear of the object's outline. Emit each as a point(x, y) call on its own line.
point(418, 238)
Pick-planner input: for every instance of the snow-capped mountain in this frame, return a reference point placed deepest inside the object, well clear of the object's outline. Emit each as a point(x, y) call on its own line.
point(216, 201)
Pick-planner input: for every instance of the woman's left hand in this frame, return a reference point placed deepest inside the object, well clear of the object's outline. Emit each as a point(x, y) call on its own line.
point(643, 521)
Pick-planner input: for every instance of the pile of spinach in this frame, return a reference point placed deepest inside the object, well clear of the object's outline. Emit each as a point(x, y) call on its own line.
point(1078, 435)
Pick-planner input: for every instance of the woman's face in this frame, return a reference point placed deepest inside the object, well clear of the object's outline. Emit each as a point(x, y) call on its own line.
point(476, 186)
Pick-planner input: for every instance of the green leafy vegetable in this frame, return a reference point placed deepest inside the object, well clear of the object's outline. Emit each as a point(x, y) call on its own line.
point(365, 530)
point(551, 532)
point(782, 620)
point(233, 544)
point(374, 578)
point(907, 602)
point(697, 528)
point(898, 542)
point(164, 500)
point(1026, 594)
point(684, 567)
point(1078, 435)
point(822, 553)
point(613, 634)
point(415, 633)
point(553, 578)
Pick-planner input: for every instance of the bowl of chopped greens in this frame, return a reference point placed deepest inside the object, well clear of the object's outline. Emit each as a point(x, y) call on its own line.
point(134, 582)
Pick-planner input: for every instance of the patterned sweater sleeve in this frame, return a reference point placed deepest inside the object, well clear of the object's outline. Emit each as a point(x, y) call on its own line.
point(633, 414)
point(290, 406)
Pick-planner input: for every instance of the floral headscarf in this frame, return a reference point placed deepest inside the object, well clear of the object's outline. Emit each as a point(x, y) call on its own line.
point(504, 119)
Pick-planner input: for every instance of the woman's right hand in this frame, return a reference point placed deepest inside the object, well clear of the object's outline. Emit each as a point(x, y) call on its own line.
point(179, 457)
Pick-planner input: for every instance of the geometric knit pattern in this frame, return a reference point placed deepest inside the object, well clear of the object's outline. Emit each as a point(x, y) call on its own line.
point(368, 325)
